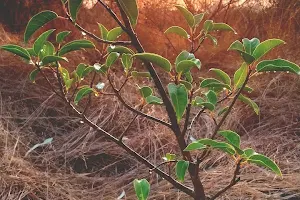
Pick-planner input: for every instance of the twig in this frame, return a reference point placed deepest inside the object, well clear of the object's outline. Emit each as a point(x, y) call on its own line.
point(163, 163)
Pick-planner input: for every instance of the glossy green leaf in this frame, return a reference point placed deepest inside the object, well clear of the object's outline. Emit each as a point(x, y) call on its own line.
point(264, 161)
point(145, 91)
point(103, 31)
point(119, 49)
point(37, 21)
point(80, 70)
point(169, 156)
point(223, 76)
point(240, 76)
point(181, 168)
point(179, 98)
point(178, 30)
point(223, 146)
point(213, 39)
point(211, 97)
point(114, 34)
point(248, 152)
point(198, 19)
point(208, 25)
point(33, 74)
point(189, 77)
point(184, 55)
point(206, 105)
point(187, 15)
point(154, 100)
point(127, 61)
point(88, 70)
point(141, 188)
point(50, 59)
point(185, 66)
point(40, 41)
point(278, 65)
point(31, 52)
point(250, 45)
point(195, 146)
point(47, 50)
point(60, 37)
point(232, 137)
point(74, 6)
point(236, 45)
point(84, 91)
point(140, 74)
point(213, 83)
point(222, 27)
point(75, 45)
point(155, 59)
point(112, 58)
point(131, 10)
point(15, 49)
point(265, 47)
point(249, 102)
point(248, 89)
point(187, 84)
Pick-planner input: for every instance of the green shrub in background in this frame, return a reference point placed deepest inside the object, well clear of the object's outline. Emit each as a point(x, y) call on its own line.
point(178, 97)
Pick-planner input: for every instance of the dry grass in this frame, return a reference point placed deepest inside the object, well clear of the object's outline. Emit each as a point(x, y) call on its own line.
point(82, 165)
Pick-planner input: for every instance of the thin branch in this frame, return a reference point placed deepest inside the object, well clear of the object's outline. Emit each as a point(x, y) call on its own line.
point(134, 110)
point(188, 113)
point(233, 181)
point(163, 163)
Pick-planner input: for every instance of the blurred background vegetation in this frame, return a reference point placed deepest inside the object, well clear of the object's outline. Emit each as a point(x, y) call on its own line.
point(82, 165)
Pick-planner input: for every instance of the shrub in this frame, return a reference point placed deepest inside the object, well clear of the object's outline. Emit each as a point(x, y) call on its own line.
point(182, 92)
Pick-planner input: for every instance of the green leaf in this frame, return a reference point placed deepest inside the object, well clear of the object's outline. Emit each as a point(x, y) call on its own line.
point(74, 6)
point(50, 59)
point(15, 49)
point(211, 97)
point(187, 84)
point(47, 50)
point(248, 89)
point(213, 39)
point(223, 146)
point(213, 83)
point(189, 77)
point(179, 98)
point(184, 55)
point(223, 76)
point(250, 45)
point(131, 10)
point(249, 102)
point(185, 66)
point(75, 45)
point(88, 70)
point(232, 137)
point(140, 74)
point(103, 31)
point(264, 161)
point(31, 52)
point(145, 91)
point(33, 75)
point(40, 41)
point(127, 61)
point(119, 49)
point(155, 59)
point(278, 65)
point(80, 70)
point(207, 105)
point(208, 25)
point(181, 168)
point(222, 27)
point(60, 37)
point(85, 90)
point(236, 45)
point(37, 21)
point(111, 59)
point(187, 15)
point(141, 188)
point(240, 76)
point(47, 141)
point(248, 152)
point(178, 30)
point(169, 156)
point(265, 47)
point(153, 100)
point(198, 18)
point(195, 146)
point(114, 34)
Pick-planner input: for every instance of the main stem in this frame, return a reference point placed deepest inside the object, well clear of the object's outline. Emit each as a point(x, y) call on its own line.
point(193, 169)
